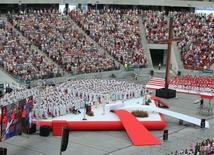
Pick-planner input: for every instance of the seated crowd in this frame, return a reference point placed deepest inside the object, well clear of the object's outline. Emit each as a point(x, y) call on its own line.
point(19, 59)
point(193, 83)
point(205, 147)
point(156, 24)
point(59, 38)
point(197, 29)
point(117, 31)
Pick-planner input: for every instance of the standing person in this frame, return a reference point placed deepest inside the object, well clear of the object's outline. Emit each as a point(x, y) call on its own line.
point(126, 66)
point(136, 76)
point(159, 66)
point(103, 102)
point(202, 103)
point(30, 117)
point(197, 148)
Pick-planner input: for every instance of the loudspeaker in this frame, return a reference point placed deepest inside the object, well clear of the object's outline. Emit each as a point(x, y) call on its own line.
point(32, 130)
point(1, 93)
point(202, 123)
point(151, 72)
point(3, 151)
point(166, 93)
point(165, 134)
point(65, 137)
point(179, 73)
point(45, 130)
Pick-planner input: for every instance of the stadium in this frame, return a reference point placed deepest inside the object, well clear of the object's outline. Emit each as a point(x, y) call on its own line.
point(74, 74)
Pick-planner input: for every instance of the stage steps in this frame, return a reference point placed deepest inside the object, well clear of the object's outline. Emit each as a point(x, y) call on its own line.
point(57, 127)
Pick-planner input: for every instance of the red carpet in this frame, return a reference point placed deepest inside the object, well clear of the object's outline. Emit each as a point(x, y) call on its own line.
point(139, 135)
point(164, 104)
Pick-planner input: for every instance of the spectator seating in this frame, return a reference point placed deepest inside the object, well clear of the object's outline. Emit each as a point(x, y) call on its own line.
point(55, 35)
point(193, 83)
point(197, 29)
point(117, 31)
point(20, 60)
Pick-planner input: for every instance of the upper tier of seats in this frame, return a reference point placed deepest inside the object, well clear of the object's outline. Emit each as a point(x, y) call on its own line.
point(196, 49)
point(55, 35)
point(19, 59)
point(117, 31)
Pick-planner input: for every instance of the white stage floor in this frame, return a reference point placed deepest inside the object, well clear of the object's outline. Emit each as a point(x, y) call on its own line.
point(130, 105)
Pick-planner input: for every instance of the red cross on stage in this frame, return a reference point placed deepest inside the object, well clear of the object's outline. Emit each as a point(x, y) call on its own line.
point(169, 42)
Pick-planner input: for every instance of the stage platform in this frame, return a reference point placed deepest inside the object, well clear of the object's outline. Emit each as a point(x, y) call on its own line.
point(104, 120)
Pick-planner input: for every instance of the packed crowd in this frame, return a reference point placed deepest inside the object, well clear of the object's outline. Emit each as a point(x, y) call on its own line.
point(60, 99)
point(206, 147)
point(156, 24)
point(60, 39)
point(198, 32)
point(19, 59)
point(197, 48)
point(17, 93)
point(193, 83)
point(117, 31)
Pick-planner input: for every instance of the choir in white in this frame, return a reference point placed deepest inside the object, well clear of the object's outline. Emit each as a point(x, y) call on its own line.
point(61, 99)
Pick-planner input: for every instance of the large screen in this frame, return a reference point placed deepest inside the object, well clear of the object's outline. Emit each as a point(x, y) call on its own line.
point(16, 118)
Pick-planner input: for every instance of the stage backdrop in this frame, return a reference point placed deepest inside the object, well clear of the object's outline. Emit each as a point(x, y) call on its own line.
point(16, 118)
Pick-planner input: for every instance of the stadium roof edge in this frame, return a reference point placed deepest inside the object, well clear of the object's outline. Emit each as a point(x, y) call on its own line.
point(172, 3)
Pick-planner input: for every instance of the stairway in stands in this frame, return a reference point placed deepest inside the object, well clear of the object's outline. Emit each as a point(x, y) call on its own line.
point(144, 42)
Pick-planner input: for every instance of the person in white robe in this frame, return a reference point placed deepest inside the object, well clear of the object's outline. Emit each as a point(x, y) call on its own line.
point(61, 112)
point(107, 98)
point(41, 112)
point(113, 96)
point(79, 103)
point(67, 107)
point(64, 108)
point(120, 94)
point(45, 112)
point(50, 108)
point(36, 112)
point(96, 102)
point(110, 98)
point(103, 102)
point(124, 95)
point(55, 110)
